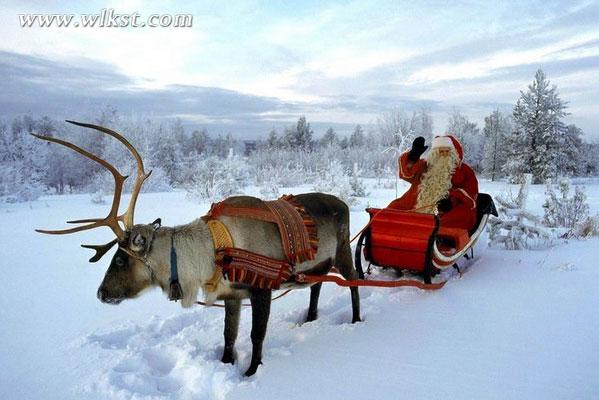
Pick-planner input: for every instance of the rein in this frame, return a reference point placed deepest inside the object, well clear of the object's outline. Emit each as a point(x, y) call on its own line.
point(222, 237)
point(201, 303)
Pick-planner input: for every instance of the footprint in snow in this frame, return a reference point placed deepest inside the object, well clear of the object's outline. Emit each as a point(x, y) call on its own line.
point(115, 339)
point(176, 357)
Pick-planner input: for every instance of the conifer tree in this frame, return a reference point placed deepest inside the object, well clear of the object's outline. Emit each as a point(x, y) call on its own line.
point(356, 139)
point(329, 138)
point(469, 135)
point(495, 151)
point(534, 143)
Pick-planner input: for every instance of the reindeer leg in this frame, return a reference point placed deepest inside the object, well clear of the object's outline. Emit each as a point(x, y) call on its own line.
point(345, 265)
point(260, 299)
point(313, 307)
point(232, 311)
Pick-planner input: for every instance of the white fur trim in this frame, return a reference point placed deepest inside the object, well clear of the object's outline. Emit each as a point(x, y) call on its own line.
point(442, 141)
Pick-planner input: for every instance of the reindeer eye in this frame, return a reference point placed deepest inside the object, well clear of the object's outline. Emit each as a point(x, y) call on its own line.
point(120, 262)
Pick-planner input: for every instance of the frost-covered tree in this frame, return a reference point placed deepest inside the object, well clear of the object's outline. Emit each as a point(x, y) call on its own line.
point(273, 142)
point(569, 156)
point(358, 188)
point(299, 136)
point(357, 138)
point(217, 178)
point(495, 151)
point(222, 145)
point(199, 141)
point(329, 138)
point(589, 158)
point(534, 143)
point(343, 143)
point(469, 135)
point(22, 160)
point(331, 178)
point(167, 154)
point(421, 123)
point(395, 130)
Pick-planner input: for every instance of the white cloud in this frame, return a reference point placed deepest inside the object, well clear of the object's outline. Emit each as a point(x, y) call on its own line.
point(485, 66)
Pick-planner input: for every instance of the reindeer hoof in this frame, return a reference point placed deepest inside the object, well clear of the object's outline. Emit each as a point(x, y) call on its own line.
point(354, 320)
point(228, 359)
point(252, 369)
point(311, 317)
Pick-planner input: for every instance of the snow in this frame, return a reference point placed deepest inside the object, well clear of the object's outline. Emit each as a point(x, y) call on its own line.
point(518, 324)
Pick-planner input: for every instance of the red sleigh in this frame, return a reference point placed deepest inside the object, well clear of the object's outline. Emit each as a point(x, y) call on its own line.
point(413, 241)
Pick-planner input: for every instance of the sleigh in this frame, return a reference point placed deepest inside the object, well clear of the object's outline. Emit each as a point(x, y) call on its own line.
point(416, 242)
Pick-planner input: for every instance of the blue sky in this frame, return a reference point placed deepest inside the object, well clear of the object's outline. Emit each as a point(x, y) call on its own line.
point(246, 67)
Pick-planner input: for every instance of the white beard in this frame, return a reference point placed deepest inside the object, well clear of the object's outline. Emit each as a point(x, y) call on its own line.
point(436, 181)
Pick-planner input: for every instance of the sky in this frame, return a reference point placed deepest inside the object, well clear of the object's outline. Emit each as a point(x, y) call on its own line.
point(247, 67)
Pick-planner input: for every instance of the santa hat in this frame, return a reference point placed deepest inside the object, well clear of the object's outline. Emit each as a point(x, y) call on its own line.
point(449, 141)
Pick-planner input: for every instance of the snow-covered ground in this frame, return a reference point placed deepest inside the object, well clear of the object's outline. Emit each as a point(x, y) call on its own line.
point(519, 324)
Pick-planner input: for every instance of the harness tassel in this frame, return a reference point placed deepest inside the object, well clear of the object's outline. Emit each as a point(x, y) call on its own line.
point(176, 292)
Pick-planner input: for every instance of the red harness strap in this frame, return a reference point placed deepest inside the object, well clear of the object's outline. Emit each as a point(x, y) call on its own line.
point(253, 269)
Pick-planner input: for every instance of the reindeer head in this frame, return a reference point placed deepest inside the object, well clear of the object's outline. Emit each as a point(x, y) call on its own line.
point(129, 272)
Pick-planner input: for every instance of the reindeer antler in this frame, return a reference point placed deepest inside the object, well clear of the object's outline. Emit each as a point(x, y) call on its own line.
point(100, 249)
point(113, 218)
point(127, 216)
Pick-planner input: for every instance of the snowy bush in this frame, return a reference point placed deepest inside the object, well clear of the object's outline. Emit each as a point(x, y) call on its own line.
point(216, 178)
point(332, 179)
point(25, 192)
point(516, 228)
point(358, 188)
point(275, 177)
point(157, 182)
point(281, 167)
point(269, 192)
point(584, 229)
point(562, 210)
point(17, 187)
point(97, 197)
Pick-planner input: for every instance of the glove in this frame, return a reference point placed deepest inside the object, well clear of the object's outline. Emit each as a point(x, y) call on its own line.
point(418, 148)
point(444, 205)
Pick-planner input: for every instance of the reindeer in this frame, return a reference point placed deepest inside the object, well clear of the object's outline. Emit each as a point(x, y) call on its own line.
point(144, 253)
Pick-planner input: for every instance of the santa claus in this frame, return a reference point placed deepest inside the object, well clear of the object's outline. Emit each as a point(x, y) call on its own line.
point(440, 183)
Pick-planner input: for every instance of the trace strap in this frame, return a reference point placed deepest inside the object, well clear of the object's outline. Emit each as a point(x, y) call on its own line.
point(176, 292)
point(302, 278)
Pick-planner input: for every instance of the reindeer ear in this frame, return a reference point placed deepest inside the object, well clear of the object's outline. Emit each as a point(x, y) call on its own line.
point(156, 224)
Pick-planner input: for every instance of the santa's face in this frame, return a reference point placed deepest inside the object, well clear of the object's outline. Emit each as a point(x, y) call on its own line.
point(442, 156)
point(444, 151)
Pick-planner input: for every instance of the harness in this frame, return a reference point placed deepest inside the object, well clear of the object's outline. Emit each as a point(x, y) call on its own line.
point(221, 239)
point(297, 232)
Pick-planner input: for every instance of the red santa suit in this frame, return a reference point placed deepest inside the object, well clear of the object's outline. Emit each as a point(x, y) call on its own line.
point(462, 190)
